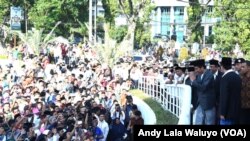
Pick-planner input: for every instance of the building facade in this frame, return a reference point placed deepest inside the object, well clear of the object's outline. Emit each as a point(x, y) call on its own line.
point(170, 17)
point(99, 9)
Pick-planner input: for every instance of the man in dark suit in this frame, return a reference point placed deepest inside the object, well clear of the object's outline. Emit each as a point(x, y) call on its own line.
point(215, 69)
point(230, 94)
point(205, 112)
point(194, 97)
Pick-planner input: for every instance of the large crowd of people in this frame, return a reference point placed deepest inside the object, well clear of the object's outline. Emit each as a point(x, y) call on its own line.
point(65, 94)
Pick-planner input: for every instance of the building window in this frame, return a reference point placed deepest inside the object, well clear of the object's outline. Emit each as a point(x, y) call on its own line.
point(165, 21)
point(210, 30)
point(209, 9)
point(179, 11)
point(165, 10)
point(178, 15)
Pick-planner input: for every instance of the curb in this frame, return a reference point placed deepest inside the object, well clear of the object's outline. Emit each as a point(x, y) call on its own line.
point(147, 113)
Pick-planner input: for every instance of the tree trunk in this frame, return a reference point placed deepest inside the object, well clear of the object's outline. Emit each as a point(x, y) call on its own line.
point(106, 33)
point(132, 36)
point(129, 40)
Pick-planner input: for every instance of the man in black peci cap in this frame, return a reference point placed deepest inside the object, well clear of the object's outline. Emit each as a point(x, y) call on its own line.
point(238, 64)
point(215, 69)
point(194, 97)
point(203, 82)
point(230, 92)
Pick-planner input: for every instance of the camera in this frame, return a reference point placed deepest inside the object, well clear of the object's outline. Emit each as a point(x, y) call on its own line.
point(118, 109)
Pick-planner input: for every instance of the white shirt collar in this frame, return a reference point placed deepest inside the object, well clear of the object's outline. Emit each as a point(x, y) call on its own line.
point(237, 72)
point(227, 72)
point(216, 73)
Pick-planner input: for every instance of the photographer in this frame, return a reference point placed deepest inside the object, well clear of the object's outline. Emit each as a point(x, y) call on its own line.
point(118, 113)
point(128, 108)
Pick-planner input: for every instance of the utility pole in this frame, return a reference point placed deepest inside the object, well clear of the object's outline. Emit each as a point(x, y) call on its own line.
point(95, 22)
point(204, 37)
point(90, 22)
point(25, 17)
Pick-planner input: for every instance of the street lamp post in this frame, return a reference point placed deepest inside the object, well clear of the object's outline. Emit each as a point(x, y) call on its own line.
point(95, 22)
point(90, 21)
point(25, 17)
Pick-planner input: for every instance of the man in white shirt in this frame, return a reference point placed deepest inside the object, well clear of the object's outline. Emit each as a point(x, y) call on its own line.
point(179, 75)
point(103, 125)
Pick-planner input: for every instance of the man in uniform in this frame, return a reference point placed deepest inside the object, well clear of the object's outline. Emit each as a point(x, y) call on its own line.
point(237, 64)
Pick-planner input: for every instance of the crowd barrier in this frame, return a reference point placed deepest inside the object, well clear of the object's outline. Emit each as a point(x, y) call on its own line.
point(175, 98)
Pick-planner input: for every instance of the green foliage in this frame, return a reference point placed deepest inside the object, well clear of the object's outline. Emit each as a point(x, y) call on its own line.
point(118, 33)
point(44, 14)
point(234, 26)
point(35, 39)
point(81, 29)
point(210, 39)
point(137, 13)
point(143, 35)
point(5, 10)
point(6, 4)
point(109, 54)
point(194, 21)
point(195, 13)
point(111, 10)
point(72, 14)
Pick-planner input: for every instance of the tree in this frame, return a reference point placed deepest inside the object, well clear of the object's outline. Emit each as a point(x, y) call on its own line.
point(195, 12)
point(234, 25)
point(34, 39)
point(5, 10)
point(143, 34)
point(6, 4)
point(109, 54)
point(136, 12)
point(118, 33)
point(46, 13)
point(120, 40)
point(72, 14)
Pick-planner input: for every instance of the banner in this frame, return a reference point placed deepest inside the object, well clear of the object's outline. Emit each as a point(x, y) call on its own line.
point(15, 18)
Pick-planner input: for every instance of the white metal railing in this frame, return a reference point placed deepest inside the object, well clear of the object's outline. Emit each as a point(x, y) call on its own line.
point(175, 98)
